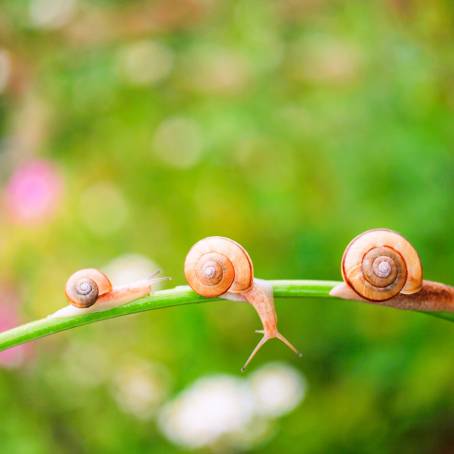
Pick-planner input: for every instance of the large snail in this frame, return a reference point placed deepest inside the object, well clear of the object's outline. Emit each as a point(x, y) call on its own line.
point(218, 266)
point(380, 266)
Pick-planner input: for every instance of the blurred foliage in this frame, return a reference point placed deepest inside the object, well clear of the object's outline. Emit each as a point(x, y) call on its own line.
point(288, 125)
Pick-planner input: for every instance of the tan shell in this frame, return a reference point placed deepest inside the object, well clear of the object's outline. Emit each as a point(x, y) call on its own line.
point(379, 264)
point(216, 265)
point(85, 286)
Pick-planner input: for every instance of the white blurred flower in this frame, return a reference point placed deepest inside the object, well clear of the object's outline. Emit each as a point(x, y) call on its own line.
point(211, 408)
point(51, 13)
point(178, 142)
point(277, 388)
point(234, 411)
point(145, 62)
point(140, 388)
point(5, 69)
point(103, 208)
point(129, 268)
point(257, 432)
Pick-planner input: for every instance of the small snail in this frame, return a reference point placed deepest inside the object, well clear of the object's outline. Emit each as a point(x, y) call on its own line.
point(380, 266)
point(89, 286)
point(218, 266)
point(85, 286)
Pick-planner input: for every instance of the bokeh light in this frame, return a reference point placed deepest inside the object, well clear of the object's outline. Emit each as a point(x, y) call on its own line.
point(33, 192)
point(145, 63)
point(51, 13)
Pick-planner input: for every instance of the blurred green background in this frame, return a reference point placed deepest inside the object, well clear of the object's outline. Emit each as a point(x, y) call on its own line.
point(131, 129)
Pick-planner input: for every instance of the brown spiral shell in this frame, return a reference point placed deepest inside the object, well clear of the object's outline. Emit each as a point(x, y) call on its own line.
point(379, 264)
point(216, 265)
point(85, 286)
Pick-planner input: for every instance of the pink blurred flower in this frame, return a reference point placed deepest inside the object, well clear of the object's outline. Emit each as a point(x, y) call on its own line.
point(9, 318)
point(33, 192)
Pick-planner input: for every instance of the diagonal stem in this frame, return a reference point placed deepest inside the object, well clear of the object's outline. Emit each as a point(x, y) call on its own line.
point(288, 289)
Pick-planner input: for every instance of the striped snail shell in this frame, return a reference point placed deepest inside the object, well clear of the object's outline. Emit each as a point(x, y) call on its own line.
point(379, 264)
point(216, 265)
point(85, 286)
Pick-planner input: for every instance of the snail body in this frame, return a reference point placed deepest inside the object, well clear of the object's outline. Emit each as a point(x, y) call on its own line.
point(217, 266)
point(380, 266)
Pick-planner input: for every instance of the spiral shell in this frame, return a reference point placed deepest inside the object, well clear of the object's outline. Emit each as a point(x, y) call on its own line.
point(379, 264)
point(85, 286)
point(216, 265)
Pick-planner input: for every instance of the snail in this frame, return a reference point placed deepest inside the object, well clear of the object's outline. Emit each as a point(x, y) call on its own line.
point(218, 266)
point(84, 287)
point(89, 287)
point(381, 267)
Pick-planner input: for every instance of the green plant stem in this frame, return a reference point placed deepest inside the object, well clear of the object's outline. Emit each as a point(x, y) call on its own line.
point(178, 296)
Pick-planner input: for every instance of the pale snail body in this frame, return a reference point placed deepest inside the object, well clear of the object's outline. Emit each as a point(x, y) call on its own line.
point(217, 266)
point(380, 266)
